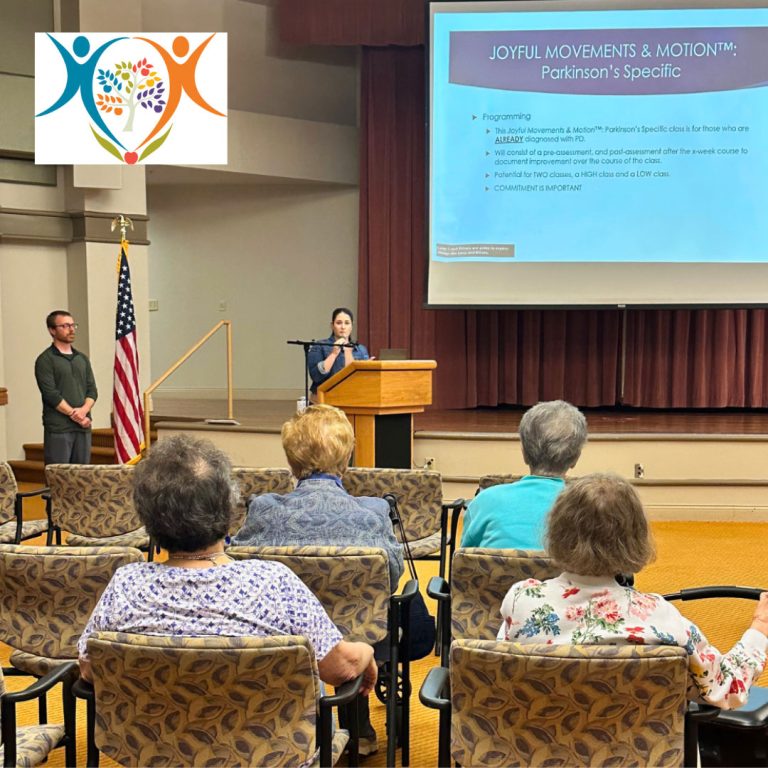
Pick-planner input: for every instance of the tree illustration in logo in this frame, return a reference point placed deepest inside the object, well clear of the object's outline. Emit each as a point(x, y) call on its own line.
point(123, 88)
point(128, 86)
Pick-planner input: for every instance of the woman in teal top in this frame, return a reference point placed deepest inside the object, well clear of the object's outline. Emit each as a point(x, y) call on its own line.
point(513, 515)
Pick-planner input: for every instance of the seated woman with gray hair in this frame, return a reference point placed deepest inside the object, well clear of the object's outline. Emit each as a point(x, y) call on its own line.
point(512, 515)
point(597, 528)
point(184, 494)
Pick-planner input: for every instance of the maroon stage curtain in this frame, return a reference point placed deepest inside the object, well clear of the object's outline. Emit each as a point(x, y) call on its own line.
point(705, 358)
point(351, 22)
point(484, 357)
point(673, 358)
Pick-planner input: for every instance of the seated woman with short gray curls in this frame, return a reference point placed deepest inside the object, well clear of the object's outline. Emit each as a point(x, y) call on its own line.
point(186, 498)
point(512, 515)
point(597, 528)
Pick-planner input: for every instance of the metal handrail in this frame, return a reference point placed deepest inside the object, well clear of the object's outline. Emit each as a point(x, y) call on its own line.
point(183, 359)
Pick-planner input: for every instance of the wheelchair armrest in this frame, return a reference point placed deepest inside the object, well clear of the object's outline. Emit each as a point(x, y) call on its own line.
point(435, 691)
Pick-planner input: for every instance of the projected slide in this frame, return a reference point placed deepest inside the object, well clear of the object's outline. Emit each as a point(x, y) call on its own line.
point(617, 136)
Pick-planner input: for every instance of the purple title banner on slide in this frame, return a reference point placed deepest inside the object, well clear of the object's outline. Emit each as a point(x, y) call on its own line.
point(612, 61)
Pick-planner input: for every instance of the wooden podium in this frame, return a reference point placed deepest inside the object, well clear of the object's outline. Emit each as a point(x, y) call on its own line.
point(380, 398)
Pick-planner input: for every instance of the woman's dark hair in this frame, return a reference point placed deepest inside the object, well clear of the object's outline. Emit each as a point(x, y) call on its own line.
point(336, 312)
point(184, 493)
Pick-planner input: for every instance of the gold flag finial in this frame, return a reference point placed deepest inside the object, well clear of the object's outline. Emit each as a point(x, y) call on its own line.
point(123, 222)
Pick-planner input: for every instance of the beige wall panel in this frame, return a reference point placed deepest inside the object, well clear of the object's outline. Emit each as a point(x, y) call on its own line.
point(278, 258)
point(33, 281)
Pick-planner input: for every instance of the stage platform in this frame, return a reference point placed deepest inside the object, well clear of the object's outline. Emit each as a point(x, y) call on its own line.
point(686, 465)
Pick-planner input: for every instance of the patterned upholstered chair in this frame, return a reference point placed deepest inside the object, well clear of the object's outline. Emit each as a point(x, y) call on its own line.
point(486, 481)
point(257, 482)
point(565, 705)
point(211, 701)
point(32, 744)
point(47, 595)
point(419, 497)
point(352, 583)
point(94, 504)
point(480, 578)
point(13, 528)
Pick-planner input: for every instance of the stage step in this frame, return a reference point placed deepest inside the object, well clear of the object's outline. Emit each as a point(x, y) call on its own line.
point(31, 469)
point(27, 471)
point(99, 454)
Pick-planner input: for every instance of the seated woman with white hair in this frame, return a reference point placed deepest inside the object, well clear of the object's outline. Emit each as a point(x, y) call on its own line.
point(512, 515)
point(597, 528)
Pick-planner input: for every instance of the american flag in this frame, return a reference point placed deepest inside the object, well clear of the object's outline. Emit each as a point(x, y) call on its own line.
point(126, 400)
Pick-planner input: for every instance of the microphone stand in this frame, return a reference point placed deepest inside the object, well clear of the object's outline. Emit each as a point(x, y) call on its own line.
point(307, 345)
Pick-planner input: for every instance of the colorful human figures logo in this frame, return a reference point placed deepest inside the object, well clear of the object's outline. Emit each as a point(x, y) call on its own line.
point(127, 94)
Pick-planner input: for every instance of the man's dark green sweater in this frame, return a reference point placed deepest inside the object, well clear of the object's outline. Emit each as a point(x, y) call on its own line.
point(63, 377)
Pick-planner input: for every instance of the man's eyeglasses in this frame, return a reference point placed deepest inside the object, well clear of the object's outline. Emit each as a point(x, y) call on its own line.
point(67, 326)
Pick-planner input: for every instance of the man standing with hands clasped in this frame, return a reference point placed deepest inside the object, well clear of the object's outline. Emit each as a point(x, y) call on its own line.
point(66, 382)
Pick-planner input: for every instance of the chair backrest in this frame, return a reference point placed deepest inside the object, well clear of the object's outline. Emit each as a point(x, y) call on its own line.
point(8, 490)
point(254, 481)
point(580, 705)
point(47, 594)
point(92, 499)
point(352, 583)
point(204, 700)
point(419, 494)
point(480, 578)
point(486, 481)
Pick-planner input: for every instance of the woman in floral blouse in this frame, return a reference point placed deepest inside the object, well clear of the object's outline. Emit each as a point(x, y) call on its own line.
point(597, 528)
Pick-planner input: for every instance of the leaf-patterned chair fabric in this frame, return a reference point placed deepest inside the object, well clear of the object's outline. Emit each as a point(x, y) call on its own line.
point(31, 745)
point(567, 705)
point(13, 527)
point(215, 701)
point(486, 481)
point(480, 578)
point(419, 494)
point(94, 504)
point(352, 583)
point(256, 482)
point(47, 595)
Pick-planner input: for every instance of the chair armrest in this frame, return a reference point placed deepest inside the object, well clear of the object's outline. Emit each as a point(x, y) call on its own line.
point(705, 593)
point(407, 593)
point(455, 504)
point(27, 494)
point(82, 689)
point(438, 589)
point(435, 691)
point(344, 693)
point(66, 671)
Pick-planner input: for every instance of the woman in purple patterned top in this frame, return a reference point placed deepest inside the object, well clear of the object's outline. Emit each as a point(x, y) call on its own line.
point(185, 497)
point(597, 528)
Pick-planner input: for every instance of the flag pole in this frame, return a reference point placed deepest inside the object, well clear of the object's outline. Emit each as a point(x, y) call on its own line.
point(127, 416)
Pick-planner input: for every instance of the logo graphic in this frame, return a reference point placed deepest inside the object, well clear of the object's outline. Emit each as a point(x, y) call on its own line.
point(130, 98)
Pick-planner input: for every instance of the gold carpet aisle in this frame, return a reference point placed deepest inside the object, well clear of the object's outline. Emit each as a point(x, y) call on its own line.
point(689, 554)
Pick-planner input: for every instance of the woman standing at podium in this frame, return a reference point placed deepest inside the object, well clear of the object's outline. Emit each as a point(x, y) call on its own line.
point(329, 356)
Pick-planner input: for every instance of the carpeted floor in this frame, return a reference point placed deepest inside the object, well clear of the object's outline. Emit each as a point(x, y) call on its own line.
point(689, 554)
